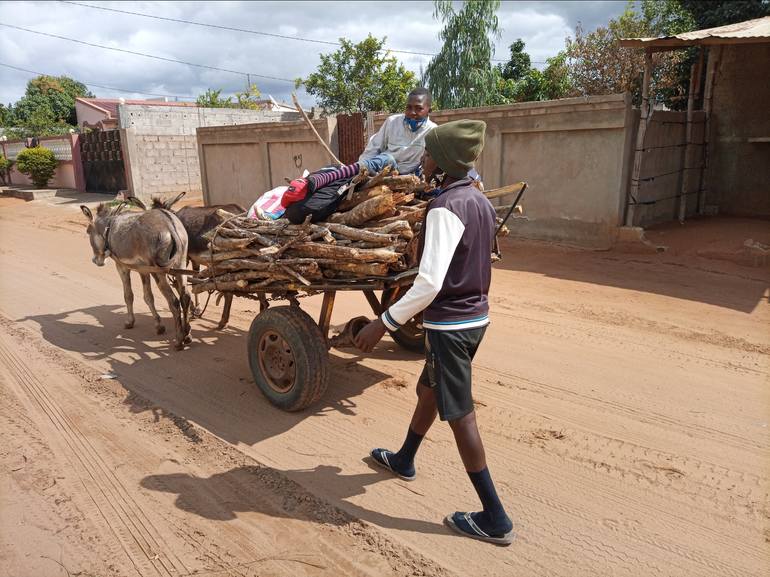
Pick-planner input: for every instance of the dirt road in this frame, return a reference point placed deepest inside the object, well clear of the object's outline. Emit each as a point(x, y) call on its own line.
point(624, 401)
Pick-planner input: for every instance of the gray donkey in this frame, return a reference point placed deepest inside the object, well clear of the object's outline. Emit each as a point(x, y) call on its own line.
point(148, 243)
point(197, 221)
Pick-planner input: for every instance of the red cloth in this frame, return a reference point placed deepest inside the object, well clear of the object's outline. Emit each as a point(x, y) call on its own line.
point(296, 192)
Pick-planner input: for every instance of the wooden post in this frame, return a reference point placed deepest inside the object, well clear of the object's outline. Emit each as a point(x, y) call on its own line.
point(644, 118)
point(708, 95)
point(695, 72)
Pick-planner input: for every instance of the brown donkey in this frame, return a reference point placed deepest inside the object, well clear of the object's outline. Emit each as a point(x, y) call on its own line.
point(148, 243)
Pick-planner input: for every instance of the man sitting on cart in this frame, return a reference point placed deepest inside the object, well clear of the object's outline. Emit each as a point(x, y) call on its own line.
point(401, 139)
point(451, 290)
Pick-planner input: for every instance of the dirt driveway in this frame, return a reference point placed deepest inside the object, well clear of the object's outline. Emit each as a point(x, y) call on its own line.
point(624, 401)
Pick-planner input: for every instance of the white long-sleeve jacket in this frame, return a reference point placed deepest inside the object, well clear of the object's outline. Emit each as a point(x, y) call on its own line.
point(396, 138)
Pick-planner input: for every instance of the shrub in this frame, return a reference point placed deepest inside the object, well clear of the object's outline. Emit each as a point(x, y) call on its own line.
point(38, 163)
point(5, 169)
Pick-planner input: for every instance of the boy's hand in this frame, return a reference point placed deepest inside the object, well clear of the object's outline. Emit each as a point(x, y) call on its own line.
point(369, 336)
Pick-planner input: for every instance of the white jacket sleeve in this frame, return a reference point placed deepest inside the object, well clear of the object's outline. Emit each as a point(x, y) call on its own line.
point(443, 232)
point(377, 143)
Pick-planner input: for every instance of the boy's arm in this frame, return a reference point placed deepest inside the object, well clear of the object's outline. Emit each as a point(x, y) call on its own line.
point(377, 143)
point(443, 232)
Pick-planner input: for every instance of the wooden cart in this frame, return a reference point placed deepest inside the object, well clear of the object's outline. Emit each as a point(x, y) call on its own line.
point(288, 349)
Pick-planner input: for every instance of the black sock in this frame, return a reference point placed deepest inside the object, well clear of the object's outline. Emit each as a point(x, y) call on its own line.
point(408, 450)
point(493, 518)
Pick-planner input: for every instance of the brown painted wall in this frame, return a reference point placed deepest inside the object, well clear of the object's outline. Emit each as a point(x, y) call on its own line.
point(739, 166)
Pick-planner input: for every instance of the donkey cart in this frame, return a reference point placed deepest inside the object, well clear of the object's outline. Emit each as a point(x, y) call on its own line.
point(288, 350)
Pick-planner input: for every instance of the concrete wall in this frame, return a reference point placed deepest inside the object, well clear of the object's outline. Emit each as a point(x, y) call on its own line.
point(175, 120)
point(239, 163)
point(667, 164)
point(574, 153)
point(160, 144)
point(739, 157)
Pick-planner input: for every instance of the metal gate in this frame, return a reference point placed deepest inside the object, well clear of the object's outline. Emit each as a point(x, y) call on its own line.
point(102, 158)
point(351, 138)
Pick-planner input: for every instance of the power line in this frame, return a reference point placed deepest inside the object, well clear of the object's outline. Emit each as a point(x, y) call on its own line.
point(247, 74)
point(248, 31)
point(124, 90)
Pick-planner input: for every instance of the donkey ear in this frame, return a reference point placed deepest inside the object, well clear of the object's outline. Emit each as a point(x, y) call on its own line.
point(169, 203)
point(87, 212)
point(132, 200)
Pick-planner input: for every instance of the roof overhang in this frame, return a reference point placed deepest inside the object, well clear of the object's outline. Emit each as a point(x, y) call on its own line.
point(749, 32)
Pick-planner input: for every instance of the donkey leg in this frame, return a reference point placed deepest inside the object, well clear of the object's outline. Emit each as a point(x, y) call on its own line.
point(150, 300)
point(196, 312)
point(186, 306)
point(225, 311)
point(173, 305)
point(128, 294)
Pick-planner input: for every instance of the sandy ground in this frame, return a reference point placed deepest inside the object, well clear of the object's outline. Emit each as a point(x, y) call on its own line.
point(624, 401)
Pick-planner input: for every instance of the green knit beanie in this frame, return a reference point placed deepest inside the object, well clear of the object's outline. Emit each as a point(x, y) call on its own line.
point(455, 145)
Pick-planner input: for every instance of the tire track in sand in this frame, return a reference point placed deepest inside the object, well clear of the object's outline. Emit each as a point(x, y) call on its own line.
point(135, 532)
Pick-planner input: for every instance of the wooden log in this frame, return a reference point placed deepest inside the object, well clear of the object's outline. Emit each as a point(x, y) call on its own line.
point(359, 268)
point(360, 196)
point(303, 265)
point(362, 234)
point(223, 244)
point(412, 218)
point(402, 183)
point(365, 211)
point(397, 246)
point(399, 227)
point(230, 254)
point(240, 283)
point(377, 179)
point(330, 251)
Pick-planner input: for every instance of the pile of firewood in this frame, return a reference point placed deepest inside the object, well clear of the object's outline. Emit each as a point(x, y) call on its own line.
point(372, 234)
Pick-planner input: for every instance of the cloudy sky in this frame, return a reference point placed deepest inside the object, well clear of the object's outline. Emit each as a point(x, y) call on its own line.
point(409, 26)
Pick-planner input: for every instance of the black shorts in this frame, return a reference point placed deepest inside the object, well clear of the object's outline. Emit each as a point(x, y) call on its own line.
point(448, 356)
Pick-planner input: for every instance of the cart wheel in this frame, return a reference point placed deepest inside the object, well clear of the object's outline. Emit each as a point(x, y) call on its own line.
point(288, 357)
point(411, 335)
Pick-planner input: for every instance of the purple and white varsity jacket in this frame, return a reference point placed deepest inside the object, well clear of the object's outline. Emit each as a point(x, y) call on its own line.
point(455, 265)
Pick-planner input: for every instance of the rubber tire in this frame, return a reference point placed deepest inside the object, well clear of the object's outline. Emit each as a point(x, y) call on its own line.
point(311, 359)
point(406, 337)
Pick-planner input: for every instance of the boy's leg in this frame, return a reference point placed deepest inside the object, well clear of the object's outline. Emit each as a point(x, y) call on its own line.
point(492, 521)
point(402, 462)
point(453, 354)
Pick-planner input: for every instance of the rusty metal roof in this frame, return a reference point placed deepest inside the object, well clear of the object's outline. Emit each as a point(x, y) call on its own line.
point(750, 31)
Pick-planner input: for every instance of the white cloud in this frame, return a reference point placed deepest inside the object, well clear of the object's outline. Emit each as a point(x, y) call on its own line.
point(407, 25)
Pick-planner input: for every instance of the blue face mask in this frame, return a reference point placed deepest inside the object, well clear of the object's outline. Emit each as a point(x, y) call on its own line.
point(414, 124)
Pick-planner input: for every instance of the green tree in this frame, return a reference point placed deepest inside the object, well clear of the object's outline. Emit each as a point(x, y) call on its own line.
point(531, 84)
point(712, 13)
point(360, 77)
point(461, 74)
point(249, 99)
point(213, 99)
point(518, 64)
point(48, 106)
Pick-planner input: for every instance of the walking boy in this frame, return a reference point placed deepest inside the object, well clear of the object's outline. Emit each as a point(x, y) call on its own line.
point(451, 290)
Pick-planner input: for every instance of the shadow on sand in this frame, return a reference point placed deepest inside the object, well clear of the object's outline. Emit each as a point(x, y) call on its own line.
point(210, 383)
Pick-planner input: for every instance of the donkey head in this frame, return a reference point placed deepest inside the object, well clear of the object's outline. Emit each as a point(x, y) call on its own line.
point(99, 229)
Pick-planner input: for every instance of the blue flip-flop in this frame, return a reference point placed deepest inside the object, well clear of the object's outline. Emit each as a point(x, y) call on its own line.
point(463, 523)
point(382, 458)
